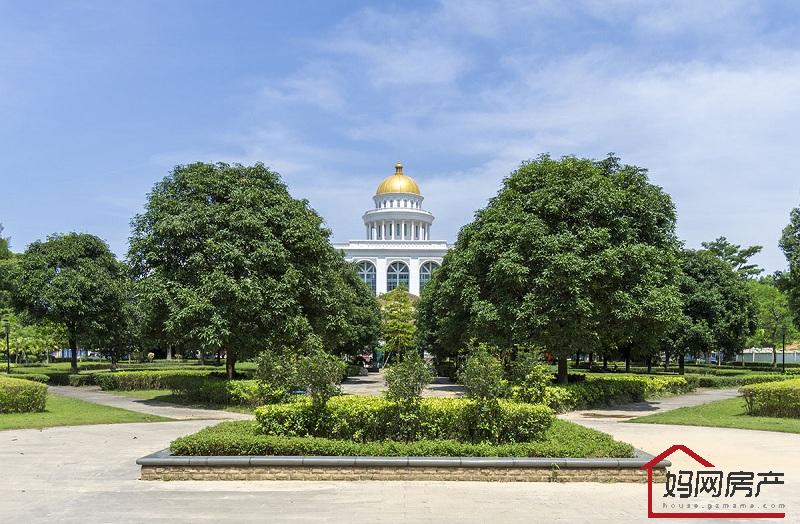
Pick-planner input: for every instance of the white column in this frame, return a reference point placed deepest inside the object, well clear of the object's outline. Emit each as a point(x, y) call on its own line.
point(413, 276)
point(380, 274)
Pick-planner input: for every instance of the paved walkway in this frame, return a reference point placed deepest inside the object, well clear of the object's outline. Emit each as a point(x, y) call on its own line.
point(374, 385)
point(151, 407)
point(87, 474)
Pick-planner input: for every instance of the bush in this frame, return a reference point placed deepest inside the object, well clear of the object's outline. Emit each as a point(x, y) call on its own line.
point(482, 375)
point(406, 380)
point(774, 399)
point(367, 419)
point(320, 375)
point(140, 380)
point(276, 372)
point(532, 386)
point(607, 390)
point(81, 380)
point(711, 381)
point(21, 396)
point(35, 377)
point(213, 390)
point(563, 439)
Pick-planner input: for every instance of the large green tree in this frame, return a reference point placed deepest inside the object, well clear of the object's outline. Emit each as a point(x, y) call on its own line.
point(789, 281)
point(234, 263)
point(774, 318)
point(719, 312)
point(571, 255)
point(736, 256)
point(73, 280)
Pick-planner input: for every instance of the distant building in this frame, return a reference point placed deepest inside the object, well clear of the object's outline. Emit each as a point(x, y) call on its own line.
point(398, 248)
point(765, 355)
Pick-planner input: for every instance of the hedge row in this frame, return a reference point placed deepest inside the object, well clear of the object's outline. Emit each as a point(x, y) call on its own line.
point(775, 399)
point(609, 390)
point(21, 396)
point(35, 377)
point(563, 439)
point(140, 380)
point(369, 419)
point(213, 390)
point(710, 381)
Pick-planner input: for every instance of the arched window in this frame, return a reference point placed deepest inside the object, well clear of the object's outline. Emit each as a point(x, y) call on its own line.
point(425, 272)
point(396, 275)
point(367, 273)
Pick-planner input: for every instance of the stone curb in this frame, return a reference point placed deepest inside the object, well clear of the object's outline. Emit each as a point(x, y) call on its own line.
point(165, 458)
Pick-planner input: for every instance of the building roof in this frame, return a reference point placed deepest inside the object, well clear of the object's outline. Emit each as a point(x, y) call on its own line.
point(398, 183)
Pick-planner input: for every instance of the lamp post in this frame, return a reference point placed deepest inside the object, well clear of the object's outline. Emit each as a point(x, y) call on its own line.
point(783, 349)
point(7, 330)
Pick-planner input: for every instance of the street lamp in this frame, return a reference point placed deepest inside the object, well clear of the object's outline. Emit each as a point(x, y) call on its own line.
point(7, 330)
point(783, 349)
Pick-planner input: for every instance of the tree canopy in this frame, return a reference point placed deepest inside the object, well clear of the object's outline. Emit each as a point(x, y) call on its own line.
point(789, 281)
point(735, 255)
point(719, 312)
point(235, 263)
point(774, 318)
point(398, 320)
point(73, 280)
point(571, 255)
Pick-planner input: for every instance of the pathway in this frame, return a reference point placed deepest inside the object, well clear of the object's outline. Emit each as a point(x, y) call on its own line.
point(151, 407)
point(374, 385)
point(87, 474)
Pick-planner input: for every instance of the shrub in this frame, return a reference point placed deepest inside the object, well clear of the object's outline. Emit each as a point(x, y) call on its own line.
point(482, 375)
point(711, 381)
point(213, 390)
point(320, 375)
point(776, 399)
point(35, 377)
point(367, 419)
point(563, 439)
point(276, 372)
point(21, 396)
point(406, 380)
point(81, 380)
point(140, 380)
point(532, 386)
point(613, 389)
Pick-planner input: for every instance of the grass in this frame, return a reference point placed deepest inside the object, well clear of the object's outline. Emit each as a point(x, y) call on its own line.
point(64, 411)
point(562, 439)
point(162, 395)
point(729, 413)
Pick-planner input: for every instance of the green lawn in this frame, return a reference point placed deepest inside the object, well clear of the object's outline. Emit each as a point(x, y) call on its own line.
point(64, 411)
point(164, 395)
point(729, 413)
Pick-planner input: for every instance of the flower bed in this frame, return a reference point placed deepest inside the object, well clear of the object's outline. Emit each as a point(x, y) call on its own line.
point(775, 399)
point(21, 396)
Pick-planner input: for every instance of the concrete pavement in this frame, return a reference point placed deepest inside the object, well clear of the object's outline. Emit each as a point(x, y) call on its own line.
point(87, 474)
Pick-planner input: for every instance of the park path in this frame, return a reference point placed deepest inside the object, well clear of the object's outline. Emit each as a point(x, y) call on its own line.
point(151, 407)
point(374, 385)
point(88, 474)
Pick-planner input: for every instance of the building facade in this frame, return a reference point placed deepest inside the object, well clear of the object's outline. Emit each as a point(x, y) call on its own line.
point(397, 248)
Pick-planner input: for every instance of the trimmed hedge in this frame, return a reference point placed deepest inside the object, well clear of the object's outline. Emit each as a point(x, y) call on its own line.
point(608, 390)
point(369, 419)
point(711, 381)
point(774, 399)
point(35, 377)
point(140, 380)
point(212, 390)
point(21, 396)
point(562, 439)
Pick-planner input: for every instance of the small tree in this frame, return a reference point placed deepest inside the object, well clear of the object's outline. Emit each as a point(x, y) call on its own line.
point(482, 375)
point(398, 322)
point(320, 374)
point(406, 380)
point(276, 373)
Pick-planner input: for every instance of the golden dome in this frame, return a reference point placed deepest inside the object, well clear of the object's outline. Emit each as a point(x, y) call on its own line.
point(398, 183)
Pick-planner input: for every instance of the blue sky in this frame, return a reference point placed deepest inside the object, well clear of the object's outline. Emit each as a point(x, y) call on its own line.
point(98, 100)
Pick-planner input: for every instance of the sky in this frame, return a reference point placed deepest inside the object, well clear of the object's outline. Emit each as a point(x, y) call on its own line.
point(100, 100)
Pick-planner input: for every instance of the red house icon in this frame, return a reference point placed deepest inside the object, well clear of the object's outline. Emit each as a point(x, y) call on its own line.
point(688, 515)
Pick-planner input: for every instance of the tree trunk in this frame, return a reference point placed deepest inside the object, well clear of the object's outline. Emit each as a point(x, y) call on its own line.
point(681, 359)
point(627, 362)
point(577, 358)
point(230, 363)
point(591, 359)
point(201, 357)
point(605, 363)
point(562, 370)
point(774, 357)
point(666, 361)
point(73, 345)
point(169, 352)
point(649, 365)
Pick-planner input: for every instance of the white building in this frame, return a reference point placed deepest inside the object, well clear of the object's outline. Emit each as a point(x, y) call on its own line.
point(397, 248)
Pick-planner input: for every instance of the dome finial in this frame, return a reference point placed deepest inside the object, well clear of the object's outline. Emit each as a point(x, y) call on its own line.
point(398, 168)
